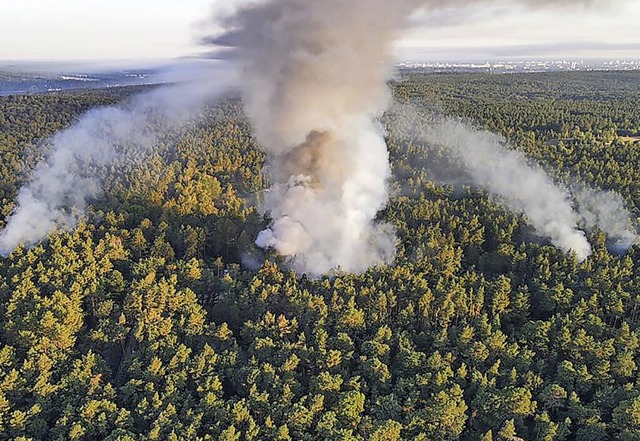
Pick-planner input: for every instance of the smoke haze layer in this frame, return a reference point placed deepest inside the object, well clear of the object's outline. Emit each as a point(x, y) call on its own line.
point(80, 157)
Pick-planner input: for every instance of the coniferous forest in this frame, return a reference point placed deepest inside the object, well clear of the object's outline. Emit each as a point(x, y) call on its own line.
point(158, 319)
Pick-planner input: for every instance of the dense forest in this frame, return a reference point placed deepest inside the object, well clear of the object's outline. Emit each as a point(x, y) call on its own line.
point(157, 318)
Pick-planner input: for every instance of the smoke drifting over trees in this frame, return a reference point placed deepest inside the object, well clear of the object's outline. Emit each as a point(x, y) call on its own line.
point(523, 187)
point(80, 157)
point(507, 174)
point(606, 210)
point(313, 76)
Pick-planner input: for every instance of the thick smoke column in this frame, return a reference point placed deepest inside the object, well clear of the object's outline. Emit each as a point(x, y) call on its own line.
point(314, 87)
point(81, 156)
point(314, 77)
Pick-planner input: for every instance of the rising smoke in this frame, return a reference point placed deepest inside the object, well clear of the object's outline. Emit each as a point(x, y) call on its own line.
point(102, 142)
point(606, 210)
point(314, 76)
point(507, 174)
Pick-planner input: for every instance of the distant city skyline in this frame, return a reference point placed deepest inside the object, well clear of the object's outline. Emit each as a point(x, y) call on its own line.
point(165, 29)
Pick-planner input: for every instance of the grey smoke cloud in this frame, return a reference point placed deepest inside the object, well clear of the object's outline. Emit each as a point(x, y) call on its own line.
point(72, 172)
point(314, 86)
point(313, 76)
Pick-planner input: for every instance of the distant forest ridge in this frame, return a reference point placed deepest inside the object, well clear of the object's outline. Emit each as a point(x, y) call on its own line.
point(19, 83)
point(29, 78)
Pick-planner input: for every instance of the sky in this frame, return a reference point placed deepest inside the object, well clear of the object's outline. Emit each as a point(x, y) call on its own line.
point(164, 29)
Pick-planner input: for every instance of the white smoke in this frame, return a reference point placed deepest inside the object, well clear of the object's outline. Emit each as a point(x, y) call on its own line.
point(314, 78)
point(80, 157)
point(523, 186)
point(606, 210)
point(314, 86)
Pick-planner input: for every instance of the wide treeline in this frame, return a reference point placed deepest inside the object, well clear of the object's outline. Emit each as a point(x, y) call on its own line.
point(158, 319)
